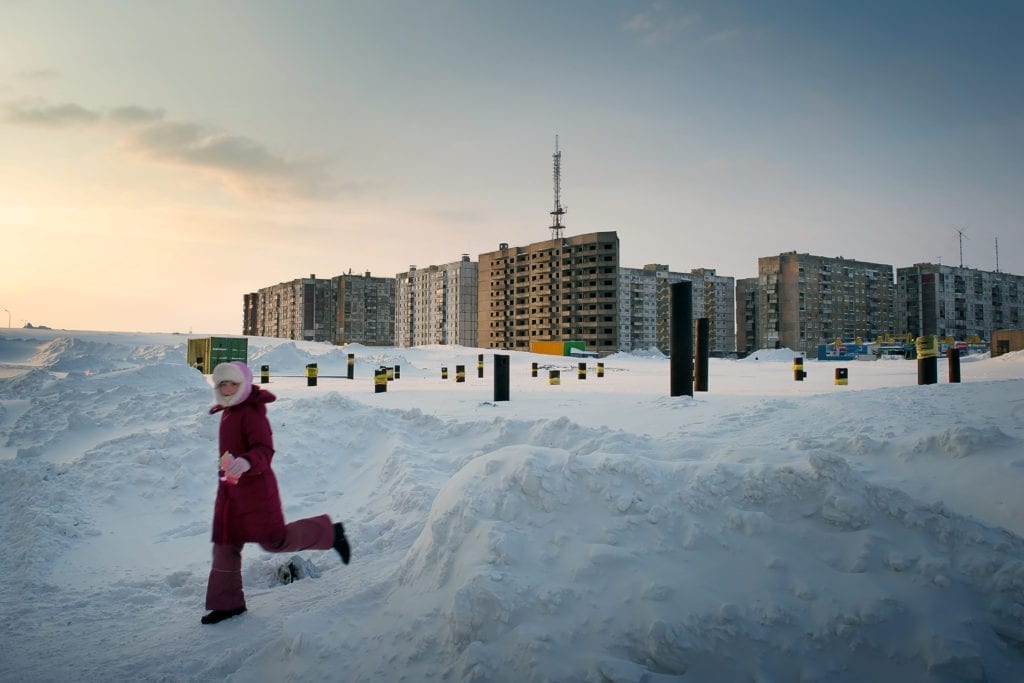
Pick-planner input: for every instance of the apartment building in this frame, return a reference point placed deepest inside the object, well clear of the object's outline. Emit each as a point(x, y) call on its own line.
point(645, 307)
point(302, 309)
point(565, 288)
point(437, 304)
point(718, 305)
point(804, 300)
point(365, 310)
point(746, 315)
point(962, 303)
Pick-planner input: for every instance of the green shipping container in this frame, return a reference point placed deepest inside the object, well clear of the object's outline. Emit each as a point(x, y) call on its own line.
point(206, 353)
point(570, 345)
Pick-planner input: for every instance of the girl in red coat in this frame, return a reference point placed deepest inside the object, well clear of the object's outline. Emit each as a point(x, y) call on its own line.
point(248, 507)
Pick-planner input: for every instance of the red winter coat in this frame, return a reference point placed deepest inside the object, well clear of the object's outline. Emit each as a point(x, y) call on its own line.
point(251, 509)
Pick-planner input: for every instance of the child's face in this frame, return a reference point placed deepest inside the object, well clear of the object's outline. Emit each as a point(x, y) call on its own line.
point(227, 388)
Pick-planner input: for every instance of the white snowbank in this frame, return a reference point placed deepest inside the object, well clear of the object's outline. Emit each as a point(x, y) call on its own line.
point(597, 530)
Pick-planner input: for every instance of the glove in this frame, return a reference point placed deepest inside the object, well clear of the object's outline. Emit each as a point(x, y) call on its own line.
point(237, 468)
point(233, 467)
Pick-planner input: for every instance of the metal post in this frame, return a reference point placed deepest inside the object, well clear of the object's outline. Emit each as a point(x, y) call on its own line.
point(703, 344)
point(501, 382)
point(351, 366)
point(480, 366)
point(953, 359)
point(681, 359)
point(264, 374)
point(927, 359)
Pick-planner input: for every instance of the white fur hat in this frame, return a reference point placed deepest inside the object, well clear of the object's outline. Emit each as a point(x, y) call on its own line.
point(237, 372)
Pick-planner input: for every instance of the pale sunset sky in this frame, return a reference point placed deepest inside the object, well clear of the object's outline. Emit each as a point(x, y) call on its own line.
point(159, 160)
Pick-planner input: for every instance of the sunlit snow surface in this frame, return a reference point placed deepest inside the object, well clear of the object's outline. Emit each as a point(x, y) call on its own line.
point(597, 530)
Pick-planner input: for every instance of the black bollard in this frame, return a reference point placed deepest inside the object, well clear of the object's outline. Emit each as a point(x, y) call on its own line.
point(798, 369)
point(500, 377)
point(444, 373)
point(927, 359)
point(703, 344)
point(600, 369)
point(380, 380)
point(311, 374)
point(398, 372)
point(351, 366)
point(480, 366)
point(554, 377)
point(533, 369)
point(460, 373)
point(953, 359)
point(264, 374)
point(681, 359)
point(842, 376)
point(581, 370)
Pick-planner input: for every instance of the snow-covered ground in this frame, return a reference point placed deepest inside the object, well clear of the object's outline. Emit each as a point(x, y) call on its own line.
point(598, 530)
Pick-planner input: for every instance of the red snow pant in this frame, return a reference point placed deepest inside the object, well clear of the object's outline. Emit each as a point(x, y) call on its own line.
point(224, 589)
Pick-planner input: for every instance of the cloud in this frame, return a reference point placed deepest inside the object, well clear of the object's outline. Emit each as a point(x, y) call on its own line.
point(132, 115)
point(38, 114)
point(243, 164)
point(36, 74)
point(659, 24)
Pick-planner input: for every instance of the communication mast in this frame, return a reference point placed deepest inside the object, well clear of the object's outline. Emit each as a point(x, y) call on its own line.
point(556, 215)
point(961, 246)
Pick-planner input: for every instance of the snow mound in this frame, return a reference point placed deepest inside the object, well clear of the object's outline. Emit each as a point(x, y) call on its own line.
point(772, 356)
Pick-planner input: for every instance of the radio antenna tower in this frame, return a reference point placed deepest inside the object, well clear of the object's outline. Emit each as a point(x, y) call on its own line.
point(961, 246)
point(556, 215)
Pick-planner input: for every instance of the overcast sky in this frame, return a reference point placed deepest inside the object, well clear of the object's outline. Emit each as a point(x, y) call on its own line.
point(158, 160)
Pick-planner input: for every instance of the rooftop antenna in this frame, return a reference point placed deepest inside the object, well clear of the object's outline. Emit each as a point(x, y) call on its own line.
point(556, 215)
point(997, 254)
point(961, 233)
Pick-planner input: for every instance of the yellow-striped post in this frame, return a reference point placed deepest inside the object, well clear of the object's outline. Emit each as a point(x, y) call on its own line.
point(460, 373)
point(311, 374)
point(554, 377)
point(927, 359)
point(600, 369)
point(264, 374)
point(842, 376)
point(798, 369)
point(380, 380)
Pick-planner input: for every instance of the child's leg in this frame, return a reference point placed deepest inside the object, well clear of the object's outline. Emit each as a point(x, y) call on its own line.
point(224, 589)
point(312, 533)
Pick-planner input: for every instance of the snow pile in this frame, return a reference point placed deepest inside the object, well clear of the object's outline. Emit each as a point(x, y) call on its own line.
point(783, 355)
point(597, 530)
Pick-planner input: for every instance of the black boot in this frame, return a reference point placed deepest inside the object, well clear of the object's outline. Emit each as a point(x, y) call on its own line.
point(341, 543)
point(219, 615)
